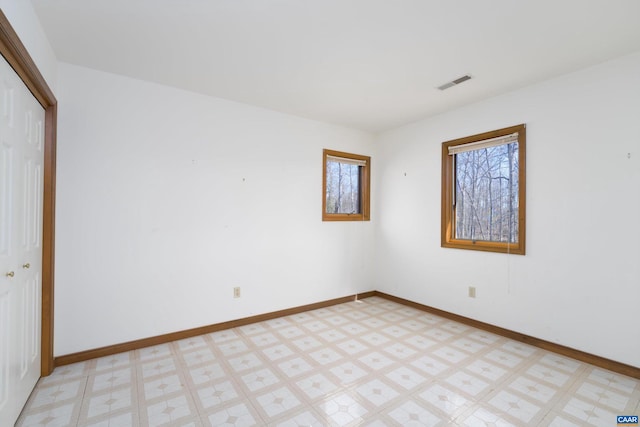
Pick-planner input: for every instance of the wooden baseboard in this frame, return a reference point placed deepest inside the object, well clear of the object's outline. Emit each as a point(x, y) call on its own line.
point(173, 336)
point(582, 356)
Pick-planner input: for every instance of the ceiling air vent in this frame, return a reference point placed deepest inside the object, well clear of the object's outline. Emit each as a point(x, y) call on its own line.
point(455, 82)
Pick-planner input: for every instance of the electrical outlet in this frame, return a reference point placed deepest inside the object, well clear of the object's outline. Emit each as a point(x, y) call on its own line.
point(236, 292)
point(472, 291)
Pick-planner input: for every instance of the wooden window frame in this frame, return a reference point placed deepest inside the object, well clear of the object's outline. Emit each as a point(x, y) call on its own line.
point(448, 239)
point(364, 187)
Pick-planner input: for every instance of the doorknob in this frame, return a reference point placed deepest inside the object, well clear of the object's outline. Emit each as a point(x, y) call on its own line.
point(10, 274)
point(27, 265)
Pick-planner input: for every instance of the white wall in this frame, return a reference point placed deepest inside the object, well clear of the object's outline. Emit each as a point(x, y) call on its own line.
point(167, 199)
point(155, 223)
point(26, 24)
point(579, 284)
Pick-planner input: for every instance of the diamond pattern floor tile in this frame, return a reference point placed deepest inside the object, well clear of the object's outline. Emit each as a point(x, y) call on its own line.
point(367, 363)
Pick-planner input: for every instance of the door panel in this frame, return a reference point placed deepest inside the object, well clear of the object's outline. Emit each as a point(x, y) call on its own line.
point(8, 231)
point(5, 341)
point(23, 309)
point(21, 184)
point(6, 195)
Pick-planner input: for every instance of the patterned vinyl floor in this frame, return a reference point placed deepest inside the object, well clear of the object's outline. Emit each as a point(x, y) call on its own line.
point(371, 362)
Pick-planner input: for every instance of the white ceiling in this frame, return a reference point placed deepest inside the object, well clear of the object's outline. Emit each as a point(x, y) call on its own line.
point(367, 64)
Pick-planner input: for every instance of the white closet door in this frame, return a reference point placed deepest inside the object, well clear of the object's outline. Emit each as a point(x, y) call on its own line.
point(21, 191)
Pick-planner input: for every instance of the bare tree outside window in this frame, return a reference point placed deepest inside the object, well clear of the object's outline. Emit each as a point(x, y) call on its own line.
point(483, 191)
point(345, 186)
point(487, 194)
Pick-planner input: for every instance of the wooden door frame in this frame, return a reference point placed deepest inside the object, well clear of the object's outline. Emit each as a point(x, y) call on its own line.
point(17, 56)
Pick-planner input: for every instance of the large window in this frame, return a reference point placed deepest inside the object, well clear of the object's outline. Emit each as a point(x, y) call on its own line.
point(483, 191)
point(345, 186)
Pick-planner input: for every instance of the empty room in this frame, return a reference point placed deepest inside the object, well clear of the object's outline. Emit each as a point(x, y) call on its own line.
point(320, 213)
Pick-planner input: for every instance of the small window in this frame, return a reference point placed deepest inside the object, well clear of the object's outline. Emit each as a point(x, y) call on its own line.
point(345, 186)
point(483, 191)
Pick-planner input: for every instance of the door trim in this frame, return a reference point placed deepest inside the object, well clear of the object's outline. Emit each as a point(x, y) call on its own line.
point(18, 57)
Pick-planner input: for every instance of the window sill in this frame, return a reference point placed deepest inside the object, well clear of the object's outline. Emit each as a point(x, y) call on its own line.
point(345, 217)
point(513, 248)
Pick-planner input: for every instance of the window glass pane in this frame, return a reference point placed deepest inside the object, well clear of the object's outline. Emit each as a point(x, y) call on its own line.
point(486, 194)
point(343, 188)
